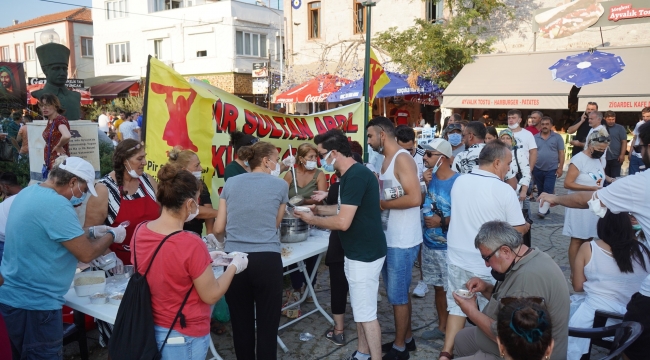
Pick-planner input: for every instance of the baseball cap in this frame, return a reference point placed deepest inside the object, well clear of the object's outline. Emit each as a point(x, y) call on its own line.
point(82, 169)
point(454, 126)
point(440, 145)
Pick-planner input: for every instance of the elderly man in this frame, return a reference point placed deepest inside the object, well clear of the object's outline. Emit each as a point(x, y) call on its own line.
point(477, 198)
point(474, 140)
point(42, 247)
point(616, 152)
point(520, 271)
point(536, 118)
point(401, 224)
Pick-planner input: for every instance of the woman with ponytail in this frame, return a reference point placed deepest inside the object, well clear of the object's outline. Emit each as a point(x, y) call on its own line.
point(524, 331)
point(609, 271)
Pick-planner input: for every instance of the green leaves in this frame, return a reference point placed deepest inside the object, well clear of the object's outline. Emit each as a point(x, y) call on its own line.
point(440, 50)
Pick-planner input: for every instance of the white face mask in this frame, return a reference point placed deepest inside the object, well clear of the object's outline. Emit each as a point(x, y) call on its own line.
point(132, 172)
point(513, 126)
point(275, 172)
point(310, 165)
point(595, 206)
point(197, 174)
point(191, 216)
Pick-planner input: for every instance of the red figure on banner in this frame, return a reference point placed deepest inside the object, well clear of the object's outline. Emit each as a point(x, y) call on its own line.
point(176, 129)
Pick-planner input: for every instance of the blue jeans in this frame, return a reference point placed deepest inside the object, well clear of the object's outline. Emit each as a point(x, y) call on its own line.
point(194, 348)
point(635, 164)
point(396, 273)
point(545, 180)
point(34, 334)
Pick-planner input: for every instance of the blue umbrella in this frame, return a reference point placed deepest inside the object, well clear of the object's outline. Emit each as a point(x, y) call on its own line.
point(398, 86)
point(587, 68)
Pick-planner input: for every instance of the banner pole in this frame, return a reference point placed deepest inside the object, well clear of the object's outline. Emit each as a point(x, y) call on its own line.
point(366, 81)
point(143, 131)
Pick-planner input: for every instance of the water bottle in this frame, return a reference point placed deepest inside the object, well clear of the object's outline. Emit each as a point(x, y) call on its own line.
point(427, 211)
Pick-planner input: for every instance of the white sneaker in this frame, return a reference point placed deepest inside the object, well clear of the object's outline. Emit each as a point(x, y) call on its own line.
point(421, 290)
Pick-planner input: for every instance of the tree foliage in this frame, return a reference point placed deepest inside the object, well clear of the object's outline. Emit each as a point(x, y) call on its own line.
point(439, 50)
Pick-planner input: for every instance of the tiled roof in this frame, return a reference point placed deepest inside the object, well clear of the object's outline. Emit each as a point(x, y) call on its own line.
point(77, 15)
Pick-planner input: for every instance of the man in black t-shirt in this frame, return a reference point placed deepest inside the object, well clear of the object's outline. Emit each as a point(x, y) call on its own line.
point(581, 128)
point(357, 218)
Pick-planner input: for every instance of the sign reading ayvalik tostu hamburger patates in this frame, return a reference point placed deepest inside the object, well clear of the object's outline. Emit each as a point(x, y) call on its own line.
point(576, 16)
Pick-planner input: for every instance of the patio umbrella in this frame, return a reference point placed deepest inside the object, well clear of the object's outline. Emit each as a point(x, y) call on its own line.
point(86, 99)
point(587, 68)
point(398, 86)
point(314, 90)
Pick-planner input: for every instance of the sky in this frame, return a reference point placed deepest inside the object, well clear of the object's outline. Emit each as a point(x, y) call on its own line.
point(23, 10)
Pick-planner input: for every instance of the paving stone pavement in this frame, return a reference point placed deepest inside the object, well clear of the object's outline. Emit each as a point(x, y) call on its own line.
point(546, 236)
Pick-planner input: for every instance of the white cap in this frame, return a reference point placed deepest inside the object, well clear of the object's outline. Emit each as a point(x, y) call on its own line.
point(440, 145)
point(645, 286)
point(82, 169)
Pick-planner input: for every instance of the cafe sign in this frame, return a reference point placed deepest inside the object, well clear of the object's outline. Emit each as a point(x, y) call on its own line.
point(506, 101)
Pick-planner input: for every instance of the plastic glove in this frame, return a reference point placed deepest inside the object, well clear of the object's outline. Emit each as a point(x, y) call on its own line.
point(120, 234)
point(215, 254)
point(212, 243)
point(98, 231)
point(240, 262)
point(289, 161)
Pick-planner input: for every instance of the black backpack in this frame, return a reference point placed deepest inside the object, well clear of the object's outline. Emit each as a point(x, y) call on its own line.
point(133, 336)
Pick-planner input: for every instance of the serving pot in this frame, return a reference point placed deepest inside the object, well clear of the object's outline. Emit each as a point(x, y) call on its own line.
point(293, 230)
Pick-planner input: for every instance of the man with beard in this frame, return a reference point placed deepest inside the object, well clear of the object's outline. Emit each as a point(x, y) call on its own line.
point(474, 140)
point(401, 224)
point(626, 194)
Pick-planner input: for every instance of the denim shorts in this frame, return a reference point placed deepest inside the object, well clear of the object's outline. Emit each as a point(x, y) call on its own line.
point(34, 334)
point(397, 272)
point(434, 267)
point(194, 348)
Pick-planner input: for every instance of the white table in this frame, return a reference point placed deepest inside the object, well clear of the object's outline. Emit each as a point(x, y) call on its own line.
point(316, 244)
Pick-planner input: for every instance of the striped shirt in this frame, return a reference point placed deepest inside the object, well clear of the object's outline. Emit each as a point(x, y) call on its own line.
point(114, 197)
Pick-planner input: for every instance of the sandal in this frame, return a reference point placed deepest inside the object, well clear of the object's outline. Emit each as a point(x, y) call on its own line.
point(445, 354)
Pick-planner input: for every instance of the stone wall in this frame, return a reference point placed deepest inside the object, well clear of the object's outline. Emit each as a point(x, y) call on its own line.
point(233, 83)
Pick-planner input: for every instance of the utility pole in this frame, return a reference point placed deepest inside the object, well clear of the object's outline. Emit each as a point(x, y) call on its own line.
point(366, 79)
point(268, 77)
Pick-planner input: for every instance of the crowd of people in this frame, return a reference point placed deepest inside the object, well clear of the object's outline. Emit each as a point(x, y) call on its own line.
point(459, 206)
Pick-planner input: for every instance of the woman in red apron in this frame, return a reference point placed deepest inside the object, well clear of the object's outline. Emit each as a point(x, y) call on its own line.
point(124, 194)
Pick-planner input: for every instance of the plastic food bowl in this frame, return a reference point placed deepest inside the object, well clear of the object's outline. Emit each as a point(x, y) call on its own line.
point(115, 299)
point(464, 293)
point(89, 282)
point(302, 209)
point(98, 299)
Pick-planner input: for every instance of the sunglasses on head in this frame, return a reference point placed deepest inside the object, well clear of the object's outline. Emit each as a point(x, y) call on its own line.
point(137, 147)
point(637, 148)
point(601, 139)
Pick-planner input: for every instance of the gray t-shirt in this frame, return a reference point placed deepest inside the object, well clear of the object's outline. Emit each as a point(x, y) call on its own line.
point(536, 274)
point(252, 203)
point(617, 133)
point(547, 151)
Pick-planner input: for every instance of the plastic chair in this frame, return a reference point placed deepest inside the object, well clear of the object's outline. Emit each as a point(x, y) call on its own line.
point(624, 335)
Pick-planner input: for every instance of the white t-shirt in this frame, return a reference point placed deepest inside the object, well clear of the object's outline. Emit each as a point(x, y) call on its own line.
point(128, 130)
point(630, 194)
point(103, 122)
point(4, 214)
point(525, 141)
point(477, 198)
point(638, 141)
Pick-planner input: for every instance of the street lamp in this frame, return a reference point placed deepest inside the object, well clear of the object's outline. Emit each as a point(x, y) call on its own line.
point(366, 77)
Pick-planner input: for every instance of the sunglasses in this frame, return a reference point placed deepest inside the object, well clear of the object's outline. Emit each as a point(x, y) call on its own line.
point(487, 258)
point(137, 147)
point(505, 301)
point(601, 139)
point(637, 148)
point(431, 154)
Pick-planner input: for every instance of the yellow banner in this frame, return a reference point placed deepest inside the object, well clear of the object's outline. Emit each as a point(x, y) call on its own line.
point(378, 78)
point(199, 117)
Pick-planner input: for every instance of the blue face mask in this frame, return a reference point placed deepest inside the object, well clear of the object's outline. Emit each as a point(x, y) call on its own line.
point(437, 166)
point(327, 167)
point(636, 227)
point(76, 200)
point(455, 139)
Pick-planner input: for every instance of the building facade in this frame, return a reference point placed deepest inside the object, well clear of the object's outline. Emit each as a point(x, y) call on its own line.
point(74, 29)
point(217, 41)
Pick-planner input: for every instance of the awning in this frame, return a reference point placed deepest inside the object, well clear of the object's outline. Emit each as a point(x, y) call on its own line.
point(509, 81)
point(112, 89)
point(628, 90)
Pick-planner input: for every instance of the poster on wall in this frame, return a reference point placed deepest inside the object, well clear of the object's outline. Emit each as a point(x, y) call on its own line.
point(13, 88)
point(199, 117)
